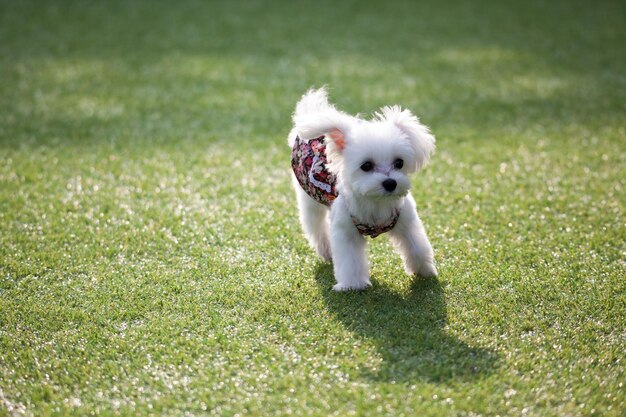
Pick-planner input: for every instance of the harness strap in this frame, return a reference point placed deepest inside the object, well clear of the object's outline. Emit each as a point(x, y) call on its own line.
point(376, 230)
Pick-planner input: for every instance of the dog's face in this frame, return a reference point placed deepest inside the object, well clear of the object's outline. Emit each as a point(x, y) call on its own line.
point(375, 161)
point(372, 158)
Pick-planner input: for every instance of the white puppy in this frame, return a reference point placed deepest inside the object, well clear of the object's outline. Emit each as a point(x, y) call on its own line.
point(357, 170)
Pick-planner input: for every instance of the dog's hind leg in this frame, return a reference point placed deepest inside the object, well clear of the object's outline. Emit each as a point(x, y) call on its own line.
point(314, 220)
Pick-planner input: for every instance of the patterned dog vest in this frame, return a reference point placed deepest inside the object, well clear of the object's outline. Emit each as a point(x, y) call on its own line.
point(308, 161)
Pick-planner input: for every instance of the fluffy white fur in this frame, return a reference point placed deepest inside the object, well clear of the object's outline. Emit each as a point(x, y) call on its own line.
point(391, 135)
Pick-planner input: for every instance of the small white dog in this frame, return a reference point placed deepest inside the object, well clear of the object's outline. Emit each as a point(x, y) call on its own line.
point(357, 169)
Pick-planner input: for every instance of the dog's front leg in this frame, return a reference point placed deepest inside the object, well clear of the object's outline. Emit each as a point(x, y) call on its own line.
point(349, 258)
point(409, 238)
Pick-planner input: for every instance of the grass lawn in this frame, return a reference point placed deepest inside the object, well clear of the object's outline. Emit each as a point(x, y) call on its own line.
point(151, 259)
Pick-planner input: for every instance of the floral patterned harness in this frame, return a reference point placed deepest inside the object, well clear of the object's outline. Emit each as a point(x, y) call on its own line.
point(308, 161)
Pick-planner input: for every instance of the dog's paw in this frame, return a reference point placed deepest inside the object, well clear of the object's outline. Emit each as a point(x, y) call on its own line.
point(427, 270)
point(352, 286)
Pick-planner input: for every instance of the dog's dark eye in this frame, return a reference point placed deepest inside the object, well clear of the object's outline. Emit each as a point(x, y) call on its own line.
point(398, 163)
point(367, 166)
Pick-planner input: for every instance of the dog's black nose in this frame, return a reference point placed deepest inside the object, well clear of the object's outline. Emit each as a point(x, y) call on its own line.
point(389, 184)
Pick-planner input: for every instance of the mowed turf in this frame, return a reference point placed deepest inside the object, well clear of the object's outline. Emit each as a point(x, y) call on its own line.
point(151, 256)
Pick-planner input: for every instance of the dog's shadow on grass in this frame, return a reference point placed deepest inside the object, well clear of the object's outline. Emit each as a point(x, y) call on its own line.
point(407, 329)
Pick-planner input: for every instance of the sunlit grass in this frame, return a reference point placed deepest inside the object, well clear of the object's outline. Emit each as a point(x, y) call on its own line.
point(151, 256)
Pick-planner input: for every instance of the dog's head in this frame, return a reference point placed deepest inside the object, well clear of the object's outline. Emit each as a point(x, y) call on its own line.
point(372, 158)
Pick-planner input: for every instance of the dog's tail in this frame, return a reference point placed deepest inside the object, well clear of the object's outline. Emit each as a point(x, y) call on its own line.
point(315, 116)
point(313, 101)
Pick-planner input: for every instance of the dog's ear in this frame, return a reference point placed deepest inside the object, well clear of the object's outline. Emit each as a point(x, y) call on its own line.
point(327, 122)
point(337, 138)
point(422, 141)
point(332, 124)
point(335, 146)
point(315, 117)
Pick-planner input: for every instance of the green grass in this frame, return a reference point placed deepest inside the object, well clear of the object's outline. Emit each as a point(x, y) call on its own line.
point(151, 257)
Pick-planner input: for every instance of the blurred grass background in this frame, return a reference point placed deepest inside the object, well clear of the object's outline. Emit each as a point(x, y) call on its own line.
point(151, 257)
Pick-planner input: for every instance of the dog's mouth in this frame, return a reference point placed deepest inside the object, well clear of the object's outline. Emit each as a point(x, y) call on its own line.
point(382, 193)
point(393, 189)
point(388, 189)
point(395, 193)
